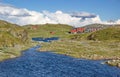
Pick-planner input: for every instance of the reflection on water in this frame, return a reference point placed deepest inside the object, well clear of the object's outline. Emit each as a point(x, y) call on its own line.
point(47, 64)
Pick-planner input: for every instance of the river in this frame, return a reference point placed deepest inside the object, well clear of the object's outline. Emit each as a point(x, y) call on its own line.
point(33, 63)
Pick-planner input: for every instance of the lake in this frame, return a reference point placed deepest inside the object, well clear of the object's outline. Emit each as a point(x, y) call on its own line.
point(45, 39)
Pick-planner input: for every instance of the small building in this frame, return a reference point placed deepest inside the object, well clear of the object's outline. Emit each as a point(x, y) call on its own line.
point(84, 30)
point(80, 30)
point(73, 31)
point(77, 30)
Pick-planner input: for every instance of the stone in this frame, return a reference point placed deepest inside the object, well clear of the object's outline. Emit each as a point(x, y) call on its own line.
point(118, 65)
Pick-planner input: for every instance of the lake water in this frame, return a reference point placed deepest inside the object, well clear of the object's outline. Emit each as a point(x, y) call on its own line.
point(47, 64)
point(45, 39)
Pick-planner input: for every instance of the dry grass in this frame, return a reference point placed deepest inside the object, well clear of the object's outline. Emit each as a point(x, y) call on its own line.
point(84, 49)
point(12, 52)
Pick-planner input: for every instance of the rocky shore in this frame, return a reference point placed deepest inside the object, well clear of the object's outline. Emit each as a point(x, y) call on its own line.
point(114, 62)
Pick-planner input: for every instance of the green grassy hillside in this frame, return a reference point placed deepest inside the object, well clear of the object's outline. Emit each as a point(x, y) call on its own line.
point(108, 33)
point(13, 39)
point(111, 33)
point(11, 34)
point(48, 30)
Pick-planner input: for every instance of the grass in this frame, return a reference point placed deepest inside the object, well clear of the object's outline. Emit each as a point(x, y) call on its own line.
point(60, 30)
point(11, 34)
point(12, 52)
point(103, 44)
point(13, 39)
point(84, 49)
point(111, 33)
point(94, 50)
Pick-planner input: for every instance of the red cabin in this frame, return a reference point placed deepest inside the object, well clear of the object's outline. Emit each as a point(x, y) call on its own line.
point(80, 30)
point(77, 30)
point(73, 31)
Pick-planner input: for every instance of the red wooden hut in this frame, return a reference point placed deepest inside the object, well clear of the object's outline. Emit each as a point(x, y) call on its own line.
point(74, 31)
point(80, 30)
point(77, 30)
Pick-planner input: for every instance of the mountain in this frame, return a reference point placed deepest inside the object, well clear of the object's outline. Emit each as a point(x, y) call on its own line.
point(97, 25)
point(11, 34)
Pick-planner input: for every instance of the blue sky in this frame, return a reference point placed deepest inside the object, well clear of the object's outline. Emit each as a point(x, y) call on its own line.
point(106, 9)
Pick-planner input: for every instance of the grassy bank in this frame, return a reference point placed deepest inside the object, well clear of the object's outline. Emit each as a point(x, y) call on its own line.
point(103, 44)
point(13, 39)
point(94, 50)
point(84, 48)
point(12, 52)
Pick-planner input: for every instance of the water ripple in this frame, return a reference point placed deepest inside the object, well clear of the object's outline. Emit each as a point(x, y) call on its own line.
point(46, 64)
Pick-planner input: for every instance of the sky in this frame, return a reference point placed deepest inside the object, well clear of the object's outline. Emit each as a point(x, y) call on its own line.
point(81, 11)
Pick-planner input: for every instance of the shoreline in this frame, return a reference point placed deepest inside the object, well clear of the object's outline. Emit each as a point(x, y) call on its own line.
point(91, 50)
point(89, 56)
point(104, 60)
point(16, 52)
point(108, 61)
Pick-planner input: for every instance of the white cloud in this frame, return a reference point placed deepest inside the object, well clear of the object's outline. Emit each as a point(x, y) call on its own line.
point(118, 21)
point(23, 16)
point(112, 22)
